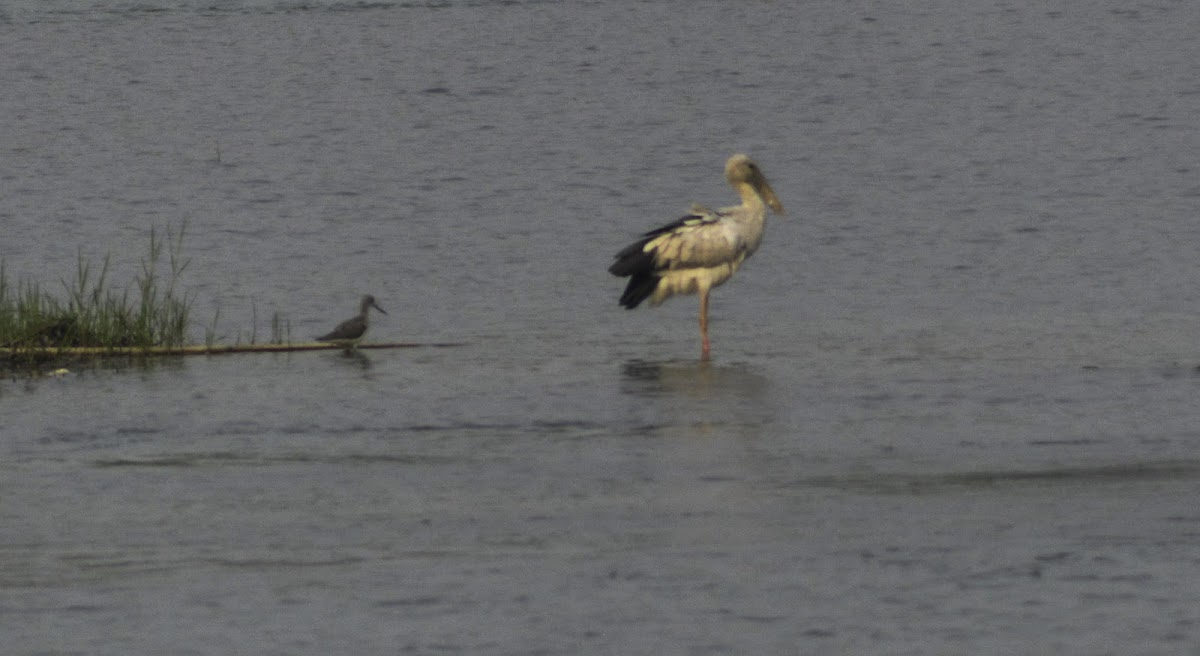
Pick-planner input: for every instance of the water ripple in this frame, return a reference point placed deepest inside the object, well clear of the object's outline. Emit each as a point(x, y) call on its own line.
point(1141, 472)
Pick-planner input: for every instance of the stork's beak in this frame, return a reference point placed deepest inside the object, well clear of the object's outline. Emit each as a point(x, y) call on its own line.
point(376, 306)
point(768, 194)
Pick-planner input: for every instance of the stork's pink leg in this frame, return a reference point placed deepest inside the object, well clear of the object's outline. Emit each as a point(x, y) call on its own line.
point(706, 348)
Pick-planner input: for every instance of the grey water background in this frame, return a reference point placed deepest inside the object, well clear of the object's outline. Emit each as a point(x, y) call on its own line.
point(952, 404)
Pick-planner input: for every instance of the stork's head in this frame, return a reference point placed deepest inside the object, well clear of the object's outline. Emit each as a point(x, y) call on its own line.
point(741, 170)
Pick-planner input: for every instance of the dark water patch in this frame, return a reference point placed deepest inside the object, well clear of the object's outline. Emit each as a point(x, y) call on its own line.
point(765, 619)
point(1147, 472)
point(138, 430)
point(251, 460)
point(176, 460)
point(39, 610)
point(492, 429)
point(123, 435)
point(370, 459)
point(68, 437)
point(1176, 370)
point(409, 602)
point(1001, 577)
point(276, 563)
point(573, 426)
point(93, 566)
point(359, 6)
point(459, 427)
point(91, 11)
point(1077, 442)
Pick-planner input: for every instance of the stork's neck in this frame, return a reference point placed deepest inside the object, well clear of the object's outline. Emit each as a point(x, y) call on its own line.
point(750, 198)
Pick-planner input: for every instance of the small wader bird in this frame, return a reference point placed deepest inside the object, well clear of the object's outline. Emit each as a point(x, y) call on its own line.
point(701, 250)
point(351, 331)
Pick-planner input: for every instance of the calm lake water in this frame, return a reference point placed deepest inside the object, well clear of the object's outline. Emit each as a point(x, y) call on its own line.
point(952, 406)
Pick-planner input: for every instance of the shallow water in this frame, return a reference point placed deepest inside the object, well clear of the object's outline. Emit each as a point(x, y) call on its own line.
point(951, 407)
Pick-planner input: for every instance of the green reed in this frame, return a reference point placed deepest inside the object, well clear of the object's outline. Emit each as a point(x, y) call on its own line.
point(281, 329)
point(153, 312)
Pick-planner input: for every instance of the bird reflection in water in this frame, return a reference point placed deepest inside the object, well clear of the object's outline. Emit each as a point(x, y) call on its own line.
point(355, 357)
point(702, 379)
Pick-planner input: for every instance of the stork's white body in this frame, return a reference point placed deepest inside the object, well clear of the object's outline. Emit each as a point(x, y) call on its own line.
point(701, 250)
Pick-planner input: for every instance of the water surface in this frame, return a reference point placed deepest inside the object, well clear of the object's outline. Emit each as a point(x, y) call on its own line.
point(951, 407)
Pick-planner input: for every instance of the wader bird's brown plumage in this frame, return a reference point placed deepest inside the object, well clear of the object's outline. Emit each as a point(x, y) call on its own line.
point(349, 332)
point(701, 250)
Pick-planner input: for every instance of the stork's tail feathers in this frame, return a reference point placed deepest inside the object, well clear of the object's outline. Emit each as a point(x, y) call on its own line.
point(636, 263)
point(640, 287)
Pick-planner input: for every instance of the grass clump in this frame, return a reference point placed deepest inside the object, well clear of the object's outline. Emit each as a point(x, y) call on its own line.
point(151, 313)
point(281, 330)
